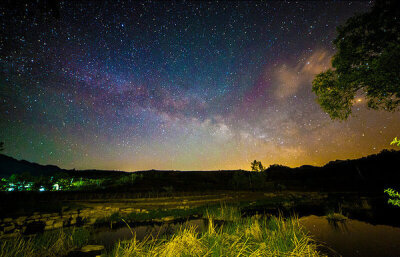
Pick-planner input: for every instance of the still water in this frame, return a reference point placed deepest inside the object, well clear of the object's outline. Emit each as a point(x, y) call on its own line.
point(354, 238)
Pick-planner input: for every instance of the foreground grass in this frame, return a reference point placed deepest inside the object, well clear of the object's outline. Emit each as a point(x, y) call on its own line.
point(49, 244)
point(223, 212)
point(336, 217)
point(251, 236)
point(238, 236)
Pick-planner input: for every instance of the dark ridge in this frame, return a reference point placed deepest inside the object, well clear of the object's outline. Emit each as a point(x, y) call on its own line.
point(374, 172)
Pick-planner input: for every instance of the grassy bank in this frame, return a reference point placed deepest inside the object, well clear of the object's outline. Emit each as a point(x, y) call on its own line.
point(237, 236)
point(251, 236)
point(49, 244)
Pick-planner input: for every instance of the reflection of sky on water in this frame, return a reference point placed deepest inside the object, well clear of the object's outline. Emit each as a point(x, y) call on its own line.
point(108, 237)
point(355, 238)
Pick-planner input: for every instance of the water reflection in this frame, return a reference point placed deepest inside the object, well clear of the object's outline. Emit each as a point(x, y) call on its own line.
point(108, 237)
point(340, 225)
point(353, 237)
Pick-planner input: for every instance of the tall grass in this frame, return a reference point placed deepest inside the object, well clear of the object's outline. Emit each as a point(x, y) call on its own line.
point(338, 216)
point(234, 236)
point(224, 212)
point(251, 236)
point(49, 244)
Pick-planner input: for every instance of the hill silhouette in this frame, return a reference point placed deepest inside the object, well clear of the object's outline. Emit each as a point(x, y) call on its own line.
point(373, 172)
point(9, 166)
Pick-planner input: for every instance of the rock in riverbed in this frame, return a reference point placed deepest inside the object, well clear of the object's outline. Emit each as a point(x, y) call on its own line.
point(87, 251)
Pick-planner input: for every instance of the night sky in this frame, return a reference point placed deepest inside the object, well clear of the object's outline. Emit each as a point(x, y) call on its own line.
point(182, 86)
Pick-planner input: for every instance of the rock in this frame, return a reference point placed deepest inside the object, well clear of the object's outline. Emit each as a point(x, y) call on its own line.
point(35, 217)
point(48, 227)
point(49, 222)
point(22, 218)
point(168, 218)
point(92, 220)
point(9, 228)
point(58, 224)
point(10, 235)
point(92, 248)
point(87, 251)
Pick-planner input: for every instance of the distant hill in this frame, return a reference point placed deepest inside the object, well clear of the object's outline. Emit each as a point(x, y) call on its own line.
point(9, 165)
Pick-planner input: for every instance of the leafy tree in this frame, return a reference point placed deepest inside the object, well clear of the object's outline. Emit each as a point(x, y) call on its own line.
point(395, 141)
point(368, 51)
point(260, 167)
point(3, 184)
point(393, 194)
point(257, 166)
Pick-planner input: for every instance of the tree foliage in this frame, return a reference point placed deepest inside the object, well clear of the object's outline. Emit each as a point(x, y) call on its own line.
point(257, 166)
point(395, 141)
point(366, 61)
point(394, 196)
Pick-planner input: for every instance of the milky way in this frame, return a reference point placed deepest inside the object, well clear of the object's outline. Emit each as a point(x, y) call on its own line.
point(189, 86)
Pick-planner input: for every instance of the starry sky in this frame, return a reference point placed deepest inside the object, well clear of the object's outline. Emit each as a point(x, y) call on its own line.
point(176, 86)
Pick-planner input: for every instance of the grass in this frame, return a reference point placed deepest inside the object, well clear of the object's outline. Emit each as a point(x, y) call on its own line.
point(237, 236)
point(250, 236)
point(337, 217)
point(223, 212)
point(49, 244)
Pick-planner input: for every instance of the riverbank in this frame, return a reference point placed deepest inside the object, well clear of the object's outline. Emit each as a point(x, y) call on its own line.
point(371, 208)
point(227, 233)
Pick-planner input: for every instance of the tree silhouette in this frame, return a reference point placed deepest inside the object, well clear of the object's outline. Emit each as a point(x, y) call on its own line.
point(257, 166)
point(366, 61)
point(1, 146)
